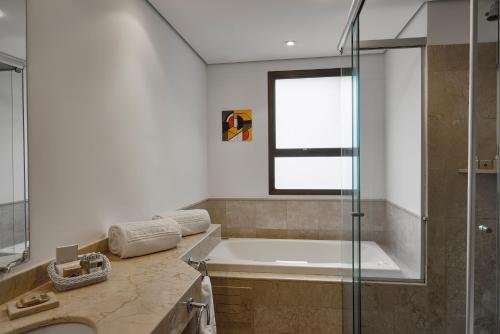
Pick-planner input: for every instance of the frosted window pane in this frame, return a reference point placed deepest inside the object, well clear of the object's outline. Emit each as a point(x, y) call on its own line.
point(313, 173)
point(313, 112)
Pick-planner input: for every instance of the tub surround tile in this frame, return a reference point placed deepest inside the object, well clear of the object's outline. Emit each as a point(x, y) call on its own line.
point(274, 276)
point(303, 234)
point(271, 233)
point(331, 235)
point(302, 215)
point(277, 306)
point(320, 320)
point(239, 232)
point(271, 215)
point(217, 211)
point(306, 219)
point(271, 320)
point(328, 215)
point(402, 237)
point(240, 215)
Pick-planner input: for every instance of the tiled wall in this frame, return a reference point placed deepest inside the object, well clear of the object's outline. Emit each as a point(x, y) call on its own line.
point(294, 219)
point(301, 219)
point(403, 239)
point(263, 306)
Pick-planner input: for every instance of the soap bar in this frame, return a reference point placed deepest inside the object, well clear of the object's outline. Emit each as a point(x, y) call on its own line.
point(32, 299)
point(66, 254)
point(72, 271)
point(16, 312)
point(70, 265)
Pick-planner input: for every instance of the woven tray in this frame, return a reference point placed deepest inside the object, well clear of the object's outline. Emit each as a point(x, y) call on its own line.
point(68, 283)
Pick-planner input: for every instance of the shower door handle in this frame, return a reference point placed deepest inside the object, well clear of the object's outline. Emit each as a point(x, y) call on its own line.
point(358, 214)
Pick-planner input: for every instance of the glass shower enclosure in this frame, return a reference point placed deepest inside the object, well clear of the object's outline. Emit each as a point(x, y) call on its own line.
point(482, 303)
point(351, 203)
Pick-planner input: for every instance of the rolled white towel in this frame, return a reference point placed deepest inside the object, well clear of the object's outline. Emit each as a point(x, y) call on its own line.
point(191, 221)
point(144, 237)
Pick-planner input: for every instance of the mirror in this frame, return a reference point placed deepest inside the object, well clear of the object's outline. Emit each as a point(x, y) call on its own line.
point(14, 226)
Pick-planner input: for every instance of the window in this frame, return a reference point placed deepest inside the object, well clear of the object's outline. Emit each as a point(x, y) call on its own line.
point(310, 126)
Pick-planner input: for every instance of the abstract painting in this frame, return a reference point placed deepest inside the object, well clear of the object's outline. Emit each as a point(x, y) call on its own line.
point(237, 125)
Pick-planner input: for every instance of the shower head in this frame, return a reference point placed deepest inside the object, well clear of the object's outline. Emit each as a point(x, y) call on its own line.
point(492, 14)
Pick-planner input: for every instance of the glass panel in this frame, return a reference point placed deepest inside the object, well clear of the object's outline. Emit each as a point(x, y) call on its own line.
point(486, 128)
point(310, 112)
point(391, 166)
point(312, 173)
point(13, 160)
point(12, 171)
point(356, 187)
point(6, 164)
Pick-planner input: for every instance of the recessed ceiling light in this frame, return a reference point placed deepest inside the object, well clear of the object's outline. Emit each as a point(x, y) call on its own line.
point(2, 14)
point(290, 43)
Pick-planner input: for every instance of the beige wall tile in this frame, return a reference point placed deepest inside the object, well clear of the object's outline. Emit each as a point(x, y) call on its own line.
point(240, 215)
point(270, 214)
point(280, 306)
point(272, 233)
point(303, 234)
point(273, 320)
point(302, 215)
point(320, 320)
point(217, 211)
point(329, 215)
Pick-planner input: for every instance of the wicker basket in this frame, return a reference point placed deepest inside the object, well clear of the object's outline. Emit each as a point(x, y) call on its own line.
point(68, 283)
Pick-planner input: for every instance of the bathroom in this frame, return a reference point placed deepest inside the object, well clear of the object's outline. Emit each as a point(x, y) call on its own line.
point(170, 114)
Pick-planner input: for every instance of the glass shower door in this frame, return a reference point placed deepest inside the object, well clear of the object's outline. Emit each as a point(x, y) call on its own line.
point(351, 213)
point(351, 199)
point(356, 212)
point(483, 182)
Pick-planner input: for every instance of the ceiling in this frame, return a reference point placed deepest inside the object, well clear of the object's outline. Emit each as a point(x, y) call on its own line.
point(225, 31)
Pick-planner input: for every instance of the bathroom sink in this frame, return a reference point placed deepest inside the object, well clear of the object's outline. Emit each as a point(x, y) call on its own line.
point(63, 328)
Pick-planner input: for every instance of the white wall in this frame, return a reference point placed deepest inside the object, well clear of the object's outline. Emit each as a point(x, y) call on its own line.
point(117, 119)
point(241, 169)
point(403, 128)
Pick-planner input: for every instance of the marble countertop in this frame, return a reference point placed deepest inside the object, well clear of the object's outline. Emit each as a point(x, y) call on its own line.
point(137, 296)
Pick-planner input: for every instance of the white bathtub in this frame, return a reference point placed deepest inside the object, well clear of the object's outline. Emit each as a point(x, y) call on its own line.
point(314, 257)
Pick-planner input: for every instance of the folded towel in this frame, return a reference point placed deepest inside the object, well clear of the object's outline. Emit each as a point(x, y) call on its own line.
point(207, 298)
point(140, 238)
point(191, 221)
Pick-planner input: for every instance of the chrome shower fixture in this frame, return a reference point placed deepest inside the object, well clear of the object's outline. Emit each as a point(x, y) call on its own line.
point(492, 14)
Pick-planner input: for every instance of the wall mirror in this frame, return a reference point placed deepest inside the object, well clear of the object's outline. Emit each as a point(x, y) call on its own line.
point(14, 219)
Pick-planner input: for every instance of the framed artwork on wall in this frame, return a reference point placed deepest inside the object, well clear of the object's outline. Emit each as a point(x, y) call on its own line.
point(237, 125)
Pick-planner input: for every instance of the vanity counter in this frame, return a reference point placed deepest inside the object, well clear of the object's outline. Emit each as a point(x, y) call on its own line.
point(141, 295)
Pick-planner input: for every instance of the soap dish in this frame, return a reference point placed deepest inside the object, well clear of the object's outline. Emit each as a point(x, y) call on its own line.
point(67, 283)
